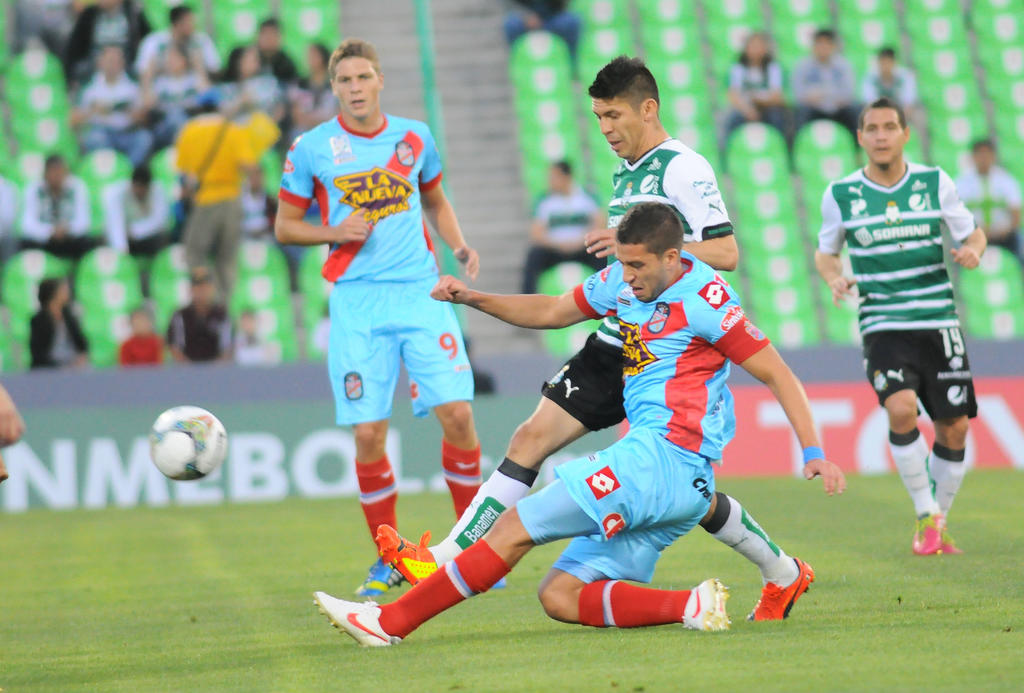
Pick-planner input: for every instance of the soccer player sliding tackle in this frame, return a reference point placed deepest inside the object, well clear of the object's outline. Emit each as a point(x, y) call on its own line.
point(622, 507)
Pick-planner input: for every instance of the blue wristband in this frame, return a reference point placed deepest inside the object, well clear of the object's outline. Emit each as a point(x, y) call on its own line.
point(813, 452)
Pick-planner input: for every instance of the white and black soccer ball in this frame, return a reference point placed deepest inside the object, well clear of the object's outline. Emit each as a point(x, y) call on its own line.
point(187, 443)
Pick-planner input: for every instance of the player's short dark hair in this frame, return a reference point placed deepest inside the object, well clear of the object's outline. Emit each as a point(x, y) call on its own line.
point(627, 78)
point(353, 48)
point(270, 23)
point(178, 12)
point(825, 33)
point(882, 102)
point(886, 52)
point(983, 143)
point(48, 289)
point(654, 225)
point(563, 165)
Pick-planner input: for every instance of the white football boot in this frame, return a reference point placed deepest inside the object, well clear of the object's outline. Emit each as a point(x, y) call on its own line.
point(361, 620)
point(705, 609)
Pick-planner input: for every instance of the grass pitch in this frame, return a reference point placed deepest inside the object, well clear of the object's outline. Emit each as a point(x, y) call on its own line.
point(219, 598)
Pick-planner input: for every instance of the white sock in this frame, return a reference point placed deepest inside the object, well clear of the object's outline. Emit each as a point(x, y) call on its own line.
point(503, 489)
point(742, 533)
point(947, 470)
point(910, 453)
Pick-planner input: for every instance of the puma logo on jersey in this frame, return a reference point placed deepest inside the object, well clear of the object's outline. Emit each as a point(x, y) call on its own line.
point(857, 190)
point(894, 375)
point(569, 389)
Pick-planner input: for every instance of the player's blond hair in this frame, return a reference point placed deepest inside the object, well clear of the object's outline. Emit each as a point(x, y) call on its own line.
point(353, 48)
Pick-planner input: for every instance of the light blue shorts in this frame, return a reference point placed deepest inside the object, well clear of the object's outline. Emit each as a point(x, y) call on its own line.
point(624, 506)
point(376, 326)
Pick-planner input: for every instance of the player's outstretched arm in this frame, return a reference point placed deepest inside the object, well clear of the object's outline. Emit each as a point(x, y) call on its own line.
point(969, 254)
point(442, 217)
point(830, 267)
point(768, 367)
point(535, 311)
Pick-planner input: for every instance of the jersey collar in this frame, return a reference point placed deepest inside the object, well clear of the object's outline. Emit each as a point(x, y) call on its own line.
point(882, 188)
point(360, 133)
point(639, 162)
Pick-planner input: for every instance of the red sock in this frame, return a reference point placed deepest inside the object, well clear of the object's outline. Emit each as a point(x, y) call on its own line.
point(378, 493)
point(619, 604)
point(474, 571)
point(461, 473)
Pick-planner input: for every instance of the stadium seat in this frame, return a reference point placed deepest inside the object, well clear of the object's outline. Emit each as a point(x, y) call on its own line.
point(40, 98)
point(168, 284)
point(554, 282)
point(823, 151)
point(784, 310)
point(730, 22)
point(841, 325)
point(602, 14)
point(34, 66)
point(102, 169)
point(599, 46)
point(304, 22)
point(108, 288)
point(157, 11)
point(264, 286)
point(993, 296)
point(936, 31)
point(315, 291)
point(757, 153)
point(793, 25)
point(667, 12)
point(46, 133)
point(236, 22)
point(865, 26)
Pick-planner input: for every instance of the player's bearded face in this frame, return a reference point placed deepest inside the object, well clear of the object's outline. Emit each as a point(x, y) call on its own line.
point(646, 273)
point(882, 136)
point(357, 85)
point(622, 125)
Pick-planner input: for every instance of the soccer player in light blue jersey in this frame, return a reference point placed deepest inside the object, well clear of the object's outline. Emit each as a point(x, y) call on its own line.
point(681, 326)
point(375, 177)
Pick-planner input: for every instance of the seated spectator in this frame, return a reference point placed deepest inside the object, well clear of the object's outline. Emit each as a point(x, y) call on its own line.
point(994, 197)
point(273, 60)
point(201, 331)
point(258, 209)
point(247, 90)
point(55, 337)
point(111, 109)
point(549, 15)
point(312, 99)
point(55, 212)
point(755, 87)
point(562, 218)
point(824, 86)
point(105, 23)
point(251, 349)
point(151, 59)
point(897, 82)
point(144, 347)
point(172, 97)
point(138, 214)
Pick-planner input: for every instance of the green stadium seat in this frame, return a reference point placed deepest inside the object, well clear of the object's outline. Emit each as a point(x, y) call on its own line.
point(993, 296)
point(952, 136)
point(165, 172)
point(40, 98)
point(273, 169)
point(12, 351)
point(937, 31)
point(667, 41)
point(33, 67)
point(921, 9)
point(1005, 28)
point(315, 292)
point(22, 273)
point(46, 133)
point(168, 284)
point(770, 239)
point(793, 25)
point(4, 49)
point(264, 287)
point(1002, 60)
point(602, 14)
point(937, 66)
point(539, 62)
point(157, 11)
point(841, 326)
point(784, 310)
point(599, 46)
point(765, 205)
point(102, 169)
point(304, 22)
point(823, 151)
point(236, 22)
point(756, 152)
point(554, 282)
point(666, 12)
point(108, 288)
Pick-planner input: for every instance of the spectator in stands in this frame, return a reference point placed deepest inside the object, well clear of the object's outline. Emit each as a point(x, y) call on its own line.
point(562, 218)
point(273, 60)
point(8, 215)
point(251, 349)
point(201, 331)
point(138, 214)
point(993, 196)
point(549, 15)
point(312, 100)
point(111, 109)
point(144, 347)
point(247, 90)
point(151, 58)
point(897, 82)
point(55, 215)
point(55, 338)
point(824, 86)
point(49, 21)
point(755, 86)
point(172, 97)
point(105, 23)
point(258, 209)
point(214, 155)
point(12, 426)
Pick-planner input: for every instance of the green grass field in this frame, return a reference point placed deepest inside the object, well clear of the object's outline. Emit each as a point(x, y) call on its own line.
point(218, 598)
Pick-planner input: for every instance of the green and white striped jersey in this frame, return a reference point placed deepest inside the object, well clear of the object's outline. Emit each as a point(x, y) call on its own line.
point(894, 237)
point(675, 175)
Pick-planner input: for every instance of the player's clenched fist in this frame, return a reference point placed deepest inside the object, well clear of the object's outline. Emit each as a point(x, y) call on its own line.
point(831, 475)
point(450, 289)
point(354, 227)
point(966, 256)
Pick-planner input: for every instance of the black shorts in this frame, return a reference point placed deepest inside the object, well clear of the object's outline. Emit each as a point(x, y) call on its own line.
point(589, 385)
point(932, 363)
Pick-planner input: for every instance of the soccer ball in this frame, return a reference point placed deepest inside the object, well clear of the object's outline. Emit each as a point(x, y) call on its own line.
point(187, 443)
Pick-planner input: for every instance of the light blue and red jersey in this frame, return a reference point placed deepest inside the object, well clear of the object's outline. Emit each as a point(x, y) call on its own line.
point(676, 352)
point(383, 172)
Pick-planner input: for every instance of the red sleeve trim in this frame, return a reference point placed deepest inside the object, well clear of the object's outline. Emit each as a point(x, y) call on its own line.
point(739, 343)
point(584, 305)
point(432, 183)
point(293, 199)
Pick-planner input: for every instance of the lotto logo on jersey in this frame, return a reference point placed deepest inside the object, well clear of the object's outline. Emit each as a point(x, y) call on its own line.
point(380, 192)
point(715, 294)
point(612, 524)
point(603, 482)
